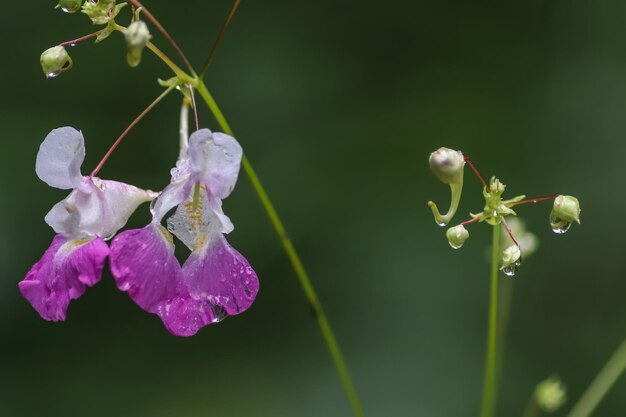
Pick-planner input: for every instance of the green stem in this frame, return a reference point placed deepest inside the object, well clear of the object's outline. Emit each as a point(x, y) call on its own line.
point(294, 258)
point(490, 363)
point(602, 384)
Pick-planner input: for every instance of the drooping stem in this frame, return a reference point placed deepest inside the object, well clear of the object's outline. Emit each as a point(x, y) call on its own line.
point(489, 401)
point(601, 384)
point(476, 171)
point(164, 32)
point(296, 263)
point(130, 126)
point(82, 38)
point(533, 200)
point(219, 38)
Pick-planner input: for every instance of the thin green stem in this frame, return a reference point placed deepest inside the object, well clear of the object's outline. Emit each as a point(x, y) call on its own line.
point(294, 258)
point(601, 384)
point(489, 402)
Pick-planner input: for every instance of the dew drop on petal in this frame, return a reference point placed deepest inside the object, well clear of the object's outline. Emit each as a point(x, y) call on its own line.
point(558, 225)
point(510, 270)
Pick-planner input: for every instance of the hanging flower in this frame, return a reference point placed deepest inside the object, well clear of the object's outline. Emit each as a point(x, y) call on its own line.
point(93, 212)
point(215, 281)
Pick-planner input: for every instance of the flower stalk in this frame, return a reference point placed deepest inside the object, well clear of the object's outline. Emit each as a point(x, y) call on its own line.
point(489, 386)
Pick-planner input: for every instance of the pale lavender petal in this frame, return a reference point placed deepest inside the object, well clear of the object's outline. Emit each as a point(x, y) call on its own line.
point(62, 274)
point(215, 161)
point(97, 207)
point(220, 275)
point(174, 194)
point(143, 264)
point(59, 158)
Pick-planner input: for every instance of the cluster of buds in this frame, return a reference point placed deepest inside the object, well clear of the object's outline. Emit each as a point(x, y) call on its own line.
point(448, 166)
point(56, 60)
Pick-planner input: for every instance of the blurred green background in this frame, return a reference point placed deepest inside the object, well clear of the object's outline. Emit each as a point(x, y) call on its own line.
point(338, 105)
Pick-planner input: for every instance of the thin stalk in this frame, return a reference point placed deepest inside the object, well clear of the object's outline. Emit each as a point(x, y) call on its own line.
point(82, 38)
point(219, 38)
point(534, 200)
point(130, 126)
point(489, 402)
point(164, 32)
point(601, 384)
point(296, 263)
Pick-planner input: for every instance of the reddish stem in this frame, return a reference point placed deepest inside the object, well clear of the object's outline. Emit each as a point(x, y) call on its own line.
point(476, 171)
point(82, 38)
point(470, 221)
point(217, 42)
point(123, 135)
point(508, 230)
point(161, 29)
point(534, 200)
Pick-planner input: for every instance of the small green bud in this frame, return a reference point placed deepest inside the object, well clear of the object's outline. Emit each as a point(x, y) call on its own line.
point(525, 238)
point(54, 61)
point(447, 165)
point(102, 11)
point(567, 208)
point(550, 394)
point(511, 260)
point(69, 6)
point(137, 36)
point(457, 236)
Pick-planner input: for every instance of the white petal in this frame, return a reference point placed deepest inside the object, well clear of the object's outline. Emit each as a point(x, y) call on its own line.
point(97, 208)
point(215, 161)
point(59, 158)
point(170, 197)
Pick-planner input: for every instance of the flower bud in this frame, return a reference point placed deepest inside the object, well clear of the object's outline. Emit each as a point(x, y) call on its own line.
point(567, 208)
point(54, 61)
point(70, 6)
point(447, 165)
point(550, 394)
point(457, 235)
point(137, 36)
point(511, 260)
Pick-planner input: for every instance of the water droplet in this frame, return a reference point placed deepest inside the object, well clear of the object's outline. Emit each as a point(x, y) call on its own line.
point(442, 224)
point(510, 270)
point(53, 74)
point(72, 44)
point(559, 226)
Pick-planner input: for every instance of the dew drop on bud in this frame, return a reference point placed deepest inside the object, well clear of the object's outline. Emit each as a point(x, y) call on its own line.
point(558, 225)
point(53, 74)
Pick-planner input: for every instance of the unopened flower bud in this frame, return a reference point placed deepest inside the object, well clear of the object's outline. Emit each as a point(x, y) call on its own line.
point(567, 208)
point(511, 260)
point(54, 61)
point(550, 394)
point(137, 36)
point(70, 6)
point(457, 235)
point(447, 165)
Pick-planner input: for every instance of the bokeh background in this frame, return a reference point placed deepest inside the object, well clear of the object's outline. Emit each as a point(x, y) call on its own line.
point(338, 105)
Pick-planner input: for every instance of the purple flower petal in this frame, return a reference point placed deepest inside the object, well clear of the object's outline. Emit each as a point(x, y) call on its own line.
point(62, 274)
point(143, 264)
point(220, 275)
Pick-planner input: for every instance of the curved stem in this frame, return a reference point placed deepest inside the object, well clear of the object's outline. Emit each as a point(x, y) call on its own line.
point(161, 29)
point(601, 384)
point(533, 200)
point(130, 126)
point(488, 404)
point(296, 263)
point(82, 38)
